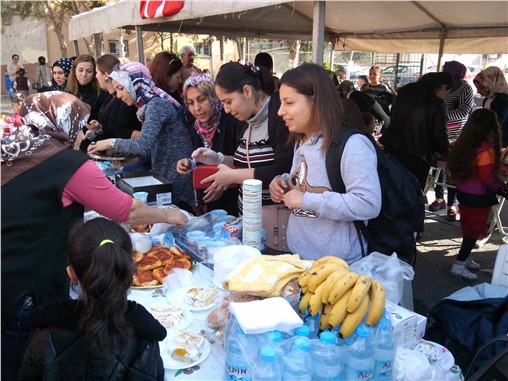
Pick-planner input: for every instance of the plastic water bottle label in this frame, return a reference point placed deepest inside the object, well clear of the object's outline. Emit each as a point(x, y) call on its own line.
point(383, 369)
point(163, 198)
point(237, 373)
point(357, 374)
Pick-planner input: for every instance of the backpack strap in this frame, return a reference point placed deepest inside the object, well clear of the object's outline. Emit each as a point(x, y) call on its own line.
point(333, 158)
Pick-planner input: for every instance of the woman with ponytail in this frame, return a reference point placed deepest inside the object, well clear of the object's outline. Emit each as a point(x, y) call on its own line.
point(263, 151)
point(101, 333)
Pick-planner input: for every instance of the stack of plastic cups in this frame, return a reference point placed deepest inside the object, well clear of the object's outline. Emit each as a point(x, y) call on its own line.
point(252, 213)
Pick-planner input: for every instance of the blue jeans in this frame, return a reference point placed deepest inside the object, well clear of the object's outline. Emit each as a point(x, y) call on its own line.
point(14, 336)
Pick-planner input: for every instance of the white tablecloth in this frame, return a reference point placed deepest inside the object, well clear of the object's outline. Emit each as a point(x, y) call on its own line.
point(214, 366)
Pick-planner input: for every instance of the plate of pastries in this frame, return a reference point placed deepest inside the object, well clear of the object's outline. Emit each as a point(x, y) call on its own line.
point(155, 265)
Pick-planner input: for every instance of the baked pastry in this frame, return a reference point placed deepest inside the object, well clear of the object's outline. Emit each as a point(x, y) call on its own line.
point(159, 274)
point(164, 254)
point(220, 315)
point(177, 262)
point(141, 228)
point(143, 278)
point(177, 251)
point(167, 315)
point(137, 256)
point(187, 346)
point(149, 262)
point(200, 296)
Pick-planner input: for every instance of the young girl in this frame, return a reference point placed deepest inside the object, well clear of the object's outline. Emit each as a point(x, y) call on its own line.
point(22, 83)
point(474, 164)
point(15, 120)
point(101, 333)
point(311, 109)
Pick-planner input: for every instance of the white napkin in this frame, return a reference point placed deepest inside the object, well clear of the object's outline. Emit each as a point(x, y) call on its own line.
point(266, 315)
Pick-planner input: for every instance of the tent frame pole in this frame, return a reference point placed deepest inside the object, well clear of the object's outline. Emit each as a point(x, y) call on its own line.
point(318, 32)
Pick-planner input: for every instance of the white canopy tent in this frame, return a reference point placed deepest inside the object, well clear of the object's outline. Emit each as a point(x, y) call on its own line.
point(379, 26)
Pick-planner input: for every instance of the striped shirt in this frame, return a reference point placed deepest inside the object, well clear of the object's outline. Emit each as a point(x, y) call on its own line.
point(260, 152)
point(459, 105)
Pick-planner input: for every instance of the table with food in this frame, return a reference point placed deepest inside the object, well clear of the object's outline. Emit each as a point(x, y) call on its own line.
point(210, 299)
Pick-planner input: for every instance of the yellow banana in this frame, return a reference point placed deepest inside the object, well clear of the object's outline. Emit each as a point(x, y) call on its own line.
point(304, 302)
point(304, 278)
point(319, 275)
point(331, 258)
point(323, 319)
point(339, 312)
point(360, 291)
point(305, 289)
point(315, 303)
point(344, 283)
point(330, 281)
point(352, 320)
point(377, 302)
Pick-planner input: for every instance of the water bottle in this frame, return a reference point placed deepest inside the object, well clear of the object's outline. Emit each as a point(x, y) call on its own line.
point(327, 363)
point(236, 364)
point(297, 365)
point(313, 323)
point(385, 346)
point(360, 359)
point(268, 367)
point(303, 330)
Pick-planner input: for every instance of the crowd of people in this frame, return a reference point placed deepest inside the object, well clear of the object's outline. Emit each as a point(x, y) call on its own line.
point(170, 117)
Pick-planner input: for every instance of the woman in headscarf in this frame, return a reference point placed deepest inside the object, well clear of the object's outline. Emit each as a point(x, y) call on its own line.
point(164, 135)
point(213, 129)
point(492, 85)
point(45, 187)
point(60, 71)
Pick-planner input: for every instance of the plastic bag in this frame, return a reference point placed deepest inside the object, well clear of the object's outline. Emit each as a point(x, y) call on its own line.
point(177, 278)
point(389, 270)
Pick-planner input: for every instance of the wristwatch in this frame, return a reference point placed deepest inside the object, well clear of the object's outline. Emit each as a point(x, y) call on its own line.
point(113, 143)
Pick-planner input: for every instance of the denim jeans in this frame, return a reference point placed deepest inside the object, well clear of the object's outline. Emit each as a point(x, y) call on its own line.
point(14, 336)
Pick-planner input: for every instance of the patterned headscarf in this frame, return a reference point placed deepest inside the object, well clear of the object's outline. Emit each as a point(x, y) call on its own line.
point(136, 78)
point(52, 121)
point(66, 65)
point(492, 78)
point(206, 87)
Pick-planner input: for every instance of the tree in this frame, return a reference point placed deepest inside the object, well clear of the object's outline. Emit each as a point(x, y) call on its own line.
point(57, 13)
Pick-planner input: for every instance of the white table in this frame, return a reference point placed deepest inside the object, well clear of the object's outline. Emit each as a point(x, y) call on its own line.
point(214, 366)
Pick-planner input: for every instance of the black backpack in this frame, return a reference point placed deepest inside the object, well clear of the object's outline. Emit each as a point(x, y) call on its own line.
point(403, 204)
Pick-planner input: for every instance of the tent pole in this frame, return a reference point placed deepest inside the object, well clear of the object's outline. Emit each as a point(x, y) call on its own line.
point(442, 36)
point(318, 32)
point(139, 42)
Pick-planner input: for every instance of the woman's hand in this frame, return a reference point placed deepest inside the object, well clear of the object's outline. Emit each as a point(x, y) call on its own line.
point(94, 126)
point(101, 145)
point(293, 199)
point(212, 194)
point(223, 178)
point(183, 167)
point(277, 189)
point(207, 156)
point(176, 217)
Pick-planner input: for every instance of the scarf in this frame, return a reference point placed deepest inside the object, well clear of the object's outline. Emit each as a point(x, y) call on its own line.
point(204, 84)
point(492, 78)
point(52, 121)
point(136, 78)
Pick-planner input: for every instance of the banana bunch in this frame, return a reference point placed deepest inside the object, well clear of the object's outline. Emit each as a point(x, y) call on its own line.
point(343, 297)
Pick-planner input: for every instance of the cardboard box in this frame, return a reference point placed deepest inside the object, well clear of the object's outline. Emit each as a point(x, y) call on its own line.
point(408, 326)
point(159, 188)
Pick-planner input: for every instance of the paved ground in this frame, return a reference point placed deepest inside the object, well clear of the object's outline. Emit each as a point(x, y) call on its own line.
point(437, 249)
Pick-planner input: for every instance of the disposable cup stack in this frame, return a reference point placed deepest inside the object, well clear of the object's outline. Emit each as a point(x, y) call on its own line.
point(252, 216)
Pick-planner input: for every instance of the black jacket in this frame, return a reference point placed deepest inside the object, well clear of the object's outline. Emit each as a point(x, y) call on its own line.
point(417, 127)
point(58, 350)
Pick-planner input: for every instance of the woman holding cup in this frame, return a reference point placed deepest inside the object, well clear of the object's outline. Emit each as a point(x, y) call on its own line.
point(262, 152)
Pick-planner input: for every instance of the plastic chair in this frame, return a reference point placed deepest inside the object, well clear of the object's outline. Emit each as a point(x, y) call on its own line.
point(500, 274)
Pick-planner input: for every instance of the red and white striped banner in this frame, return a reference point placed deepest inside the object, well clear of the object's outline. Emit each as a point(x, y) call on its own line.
point(152, 9)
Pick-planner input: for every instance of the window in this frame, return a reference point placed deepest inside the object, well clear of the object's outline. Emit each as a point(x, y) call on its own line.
point(114, 45)
point(203, 50)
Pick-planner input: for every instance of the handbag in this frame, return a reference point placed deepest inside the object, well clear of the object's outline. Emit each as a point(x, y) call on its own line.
point(201, 172)
point(275, 220)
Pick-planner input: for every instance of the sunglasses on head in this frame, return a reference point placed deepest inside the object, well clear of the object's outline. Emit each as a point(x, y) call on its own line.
point(175, 62)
